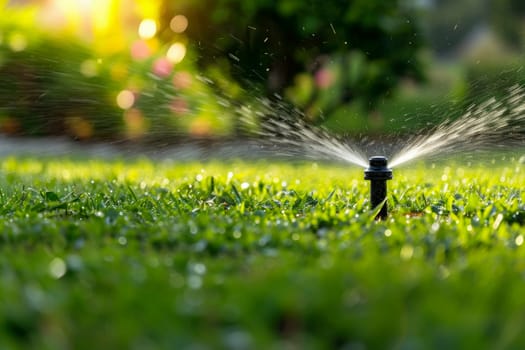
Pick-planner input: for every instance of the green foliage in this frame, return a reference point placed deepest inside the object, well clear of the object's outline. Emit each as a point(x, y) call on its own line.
point(55, 83)
point(448, 23)
point(507, 17)
point(42, 92)
point(343, 50)
point(97, 254)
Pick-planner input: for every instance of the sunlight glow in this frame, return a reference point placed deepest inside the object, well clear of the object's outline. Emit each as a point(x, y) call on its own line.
point(179, 24)
point(17, 42)
point(147, 28)
point(125, 99)
point(135, 123)
point(89, 68)
point(176, 53)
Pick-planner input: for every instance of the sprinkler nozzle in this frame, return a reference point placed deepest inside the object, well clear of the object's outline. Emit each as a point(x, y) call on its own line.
point(378, 173)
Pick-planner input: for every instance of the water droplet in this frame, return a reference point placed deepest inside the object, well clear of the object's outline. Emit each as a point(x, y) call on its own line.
point(498, 221)
point(147, 28)
point(122, 240)
point(57, 268)
point(197, 268)
point(176, 53)
point(125, 99)
point(407, 251)
point(233, 57)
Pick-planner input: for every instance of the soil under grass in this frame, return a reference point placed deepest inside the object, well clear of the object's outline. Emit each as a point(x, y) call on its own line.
point(259, 255)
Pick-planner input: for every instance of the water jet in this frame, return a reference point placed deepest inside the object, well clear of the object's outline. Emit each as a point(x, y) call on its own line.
point(378, 173)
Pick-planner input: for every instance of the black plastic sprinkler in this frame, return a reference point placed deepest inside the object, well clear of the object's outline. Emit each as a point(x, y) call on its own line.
point(378, 173)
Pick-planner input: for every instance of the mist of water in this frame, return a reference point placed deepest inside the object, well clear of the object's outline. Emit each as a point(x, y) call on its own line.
point(488, 126)
point(491, 125)
point(284, 132)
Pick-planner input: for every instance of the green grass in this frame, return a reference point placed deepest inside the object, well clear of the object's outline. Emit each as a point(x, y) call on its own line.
point(142, 255)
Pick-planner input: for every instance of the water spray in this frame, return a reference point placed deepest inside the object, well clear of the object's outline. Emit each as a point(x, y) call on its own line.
point(378, 173)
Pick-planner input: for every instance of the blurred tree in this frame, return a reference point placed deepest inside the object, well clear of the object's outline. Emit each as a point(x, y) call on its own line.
point(447, 23)
point(508, 20)
point(272, 41)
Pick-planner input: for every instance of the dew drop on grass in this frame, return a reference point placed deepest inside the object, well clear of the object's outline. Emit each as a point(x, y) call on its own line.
point(57, 268)
point(388, 233)
point(407, 251)
point(498, 221)
point(519, 240)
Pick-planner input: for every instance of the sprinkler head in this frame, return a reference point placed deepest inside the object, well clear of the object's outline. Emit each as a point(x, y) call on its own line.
point(378, 173)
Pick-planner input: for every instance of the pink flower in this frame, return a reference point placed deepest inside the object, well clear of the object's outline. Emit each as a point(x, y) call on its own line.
point(179, 106)
point(324, 78)
point(162, 67)
point(140, 50)
point(182, 80)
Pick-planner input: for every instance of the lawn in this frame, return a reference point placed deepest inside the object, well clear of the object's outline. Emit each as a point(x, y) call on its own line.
point(135, 254)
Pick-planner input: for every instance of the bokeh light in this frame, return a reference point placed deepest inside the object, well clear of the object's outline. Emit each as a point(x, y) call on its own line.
point(125, 99)
point(57, 268)
point(89, 68)
point(179, 24)
point(135, 123)
point(182, 80)
point(147, 28)
point(140, 50)
point(80, 127)
point(200, 127)
point(121, 55)
point(176, 53)
point(10, 126)
point(17, 42)
point(162, 67)
point(324, 78)
point(119, 71)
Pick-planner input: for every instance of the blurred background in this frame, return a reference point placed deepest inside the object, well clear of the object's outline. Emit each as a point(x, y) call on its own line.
point(172, 70)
